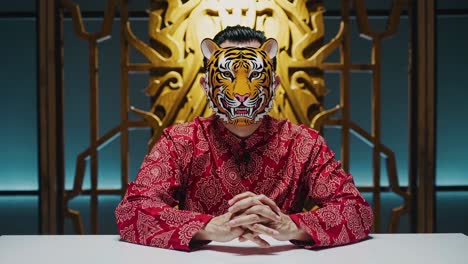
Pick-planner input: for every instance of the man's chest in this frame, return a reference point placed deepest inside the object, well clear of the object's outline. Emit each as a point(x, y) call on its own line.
point(218, 172)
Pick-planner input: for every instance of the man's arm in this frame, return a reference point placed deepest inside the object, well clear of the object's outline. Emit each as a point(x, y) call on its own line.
point(343, 215)
point(146, 215)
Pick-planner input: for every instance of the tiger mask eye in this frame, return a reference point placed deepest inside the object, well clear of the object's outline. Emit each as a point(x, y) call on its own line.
point(255, 74)
point(227, 74)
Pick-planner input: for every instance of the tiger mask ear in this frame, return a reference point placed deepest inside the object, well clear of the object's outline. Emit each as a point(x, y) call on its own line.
point(270, 46)
point(208, 46)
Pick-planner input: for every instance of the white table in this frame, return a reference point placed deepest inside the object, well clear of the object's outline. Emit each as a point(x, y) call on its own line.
point(388, 248)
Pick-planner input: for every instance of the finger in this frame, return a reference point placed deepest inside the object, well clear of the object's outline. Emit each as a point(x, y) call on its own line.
point(262, 229)
point(257, 240)
point(250, 201)
point(245, 220)
point(244, 204)
point(242, 239)
point(263, 210)
point(240, 196)
point(264, 199)
point(237, 231)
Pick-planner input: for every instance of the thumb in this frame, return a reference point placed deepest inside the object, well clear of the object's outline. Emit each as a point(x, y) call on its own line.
point(237, 231)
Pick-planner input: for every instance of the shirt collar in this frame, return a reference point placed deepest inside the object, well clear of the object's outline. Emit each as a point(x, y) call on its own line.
point(259, 136)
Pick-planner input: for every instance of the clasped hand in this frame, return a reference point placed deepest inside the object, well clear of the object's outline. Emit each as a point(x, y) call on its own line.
point(250, 215)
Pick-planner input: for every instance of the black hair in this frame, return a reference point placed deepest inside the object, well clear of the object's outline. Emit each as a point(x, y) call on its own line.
point(239, 34)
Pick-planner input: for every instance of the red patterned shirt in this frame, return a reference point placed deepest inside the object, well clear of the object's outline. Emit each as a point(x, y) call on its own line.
point(199, 166)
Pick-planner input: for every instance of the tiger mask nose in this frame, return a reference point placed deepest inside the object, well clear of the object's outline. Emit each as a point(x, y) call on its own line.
point(241, 98)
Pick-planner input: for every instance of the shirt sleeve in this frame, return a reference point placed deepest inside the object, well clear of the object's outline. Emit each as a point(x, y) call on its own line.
point(147, 214)
point(343, 216)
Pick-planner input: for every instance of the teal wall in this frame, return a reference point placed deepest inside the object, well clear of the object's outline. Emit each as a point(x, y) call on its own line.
point(18, 134)
point(18, 137)
point(452, 119)
point(18, 105)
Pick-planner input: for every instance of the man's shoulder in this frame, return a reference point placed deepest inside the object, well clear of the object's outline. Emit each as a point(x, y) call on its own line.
point(188, 129)
point(297, 131)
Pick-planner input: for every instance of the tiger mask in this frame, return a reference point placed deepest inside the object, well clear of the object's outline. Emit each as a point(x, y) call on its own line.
point(240, 81)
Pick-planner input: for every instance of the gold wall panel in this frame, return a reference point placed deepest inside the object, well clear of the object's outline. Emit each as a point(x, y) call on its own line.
point(176, 30)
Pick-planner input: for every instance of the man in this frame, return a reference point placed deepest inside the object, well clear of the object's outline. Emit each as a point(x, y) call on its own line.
point(240, 173)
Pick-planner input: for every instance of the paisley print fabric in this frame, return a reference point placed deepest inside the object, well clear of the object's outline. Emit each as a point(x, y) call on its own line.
point(195, 168)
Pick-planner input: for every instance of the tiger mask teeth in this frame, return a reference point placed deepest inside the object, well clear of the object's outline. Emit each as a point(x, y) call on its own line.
point(248, 112)
point(233, 111)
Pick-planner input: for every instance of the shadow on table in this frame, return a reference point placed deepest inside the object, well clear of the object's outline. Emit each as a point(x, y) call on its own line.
point(357, 242)
point(245, 251)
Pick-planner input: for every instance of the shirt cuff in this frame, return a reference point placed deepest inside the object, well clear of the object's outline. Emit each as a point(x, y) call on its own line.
point(297, 219)
point(201, 220)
